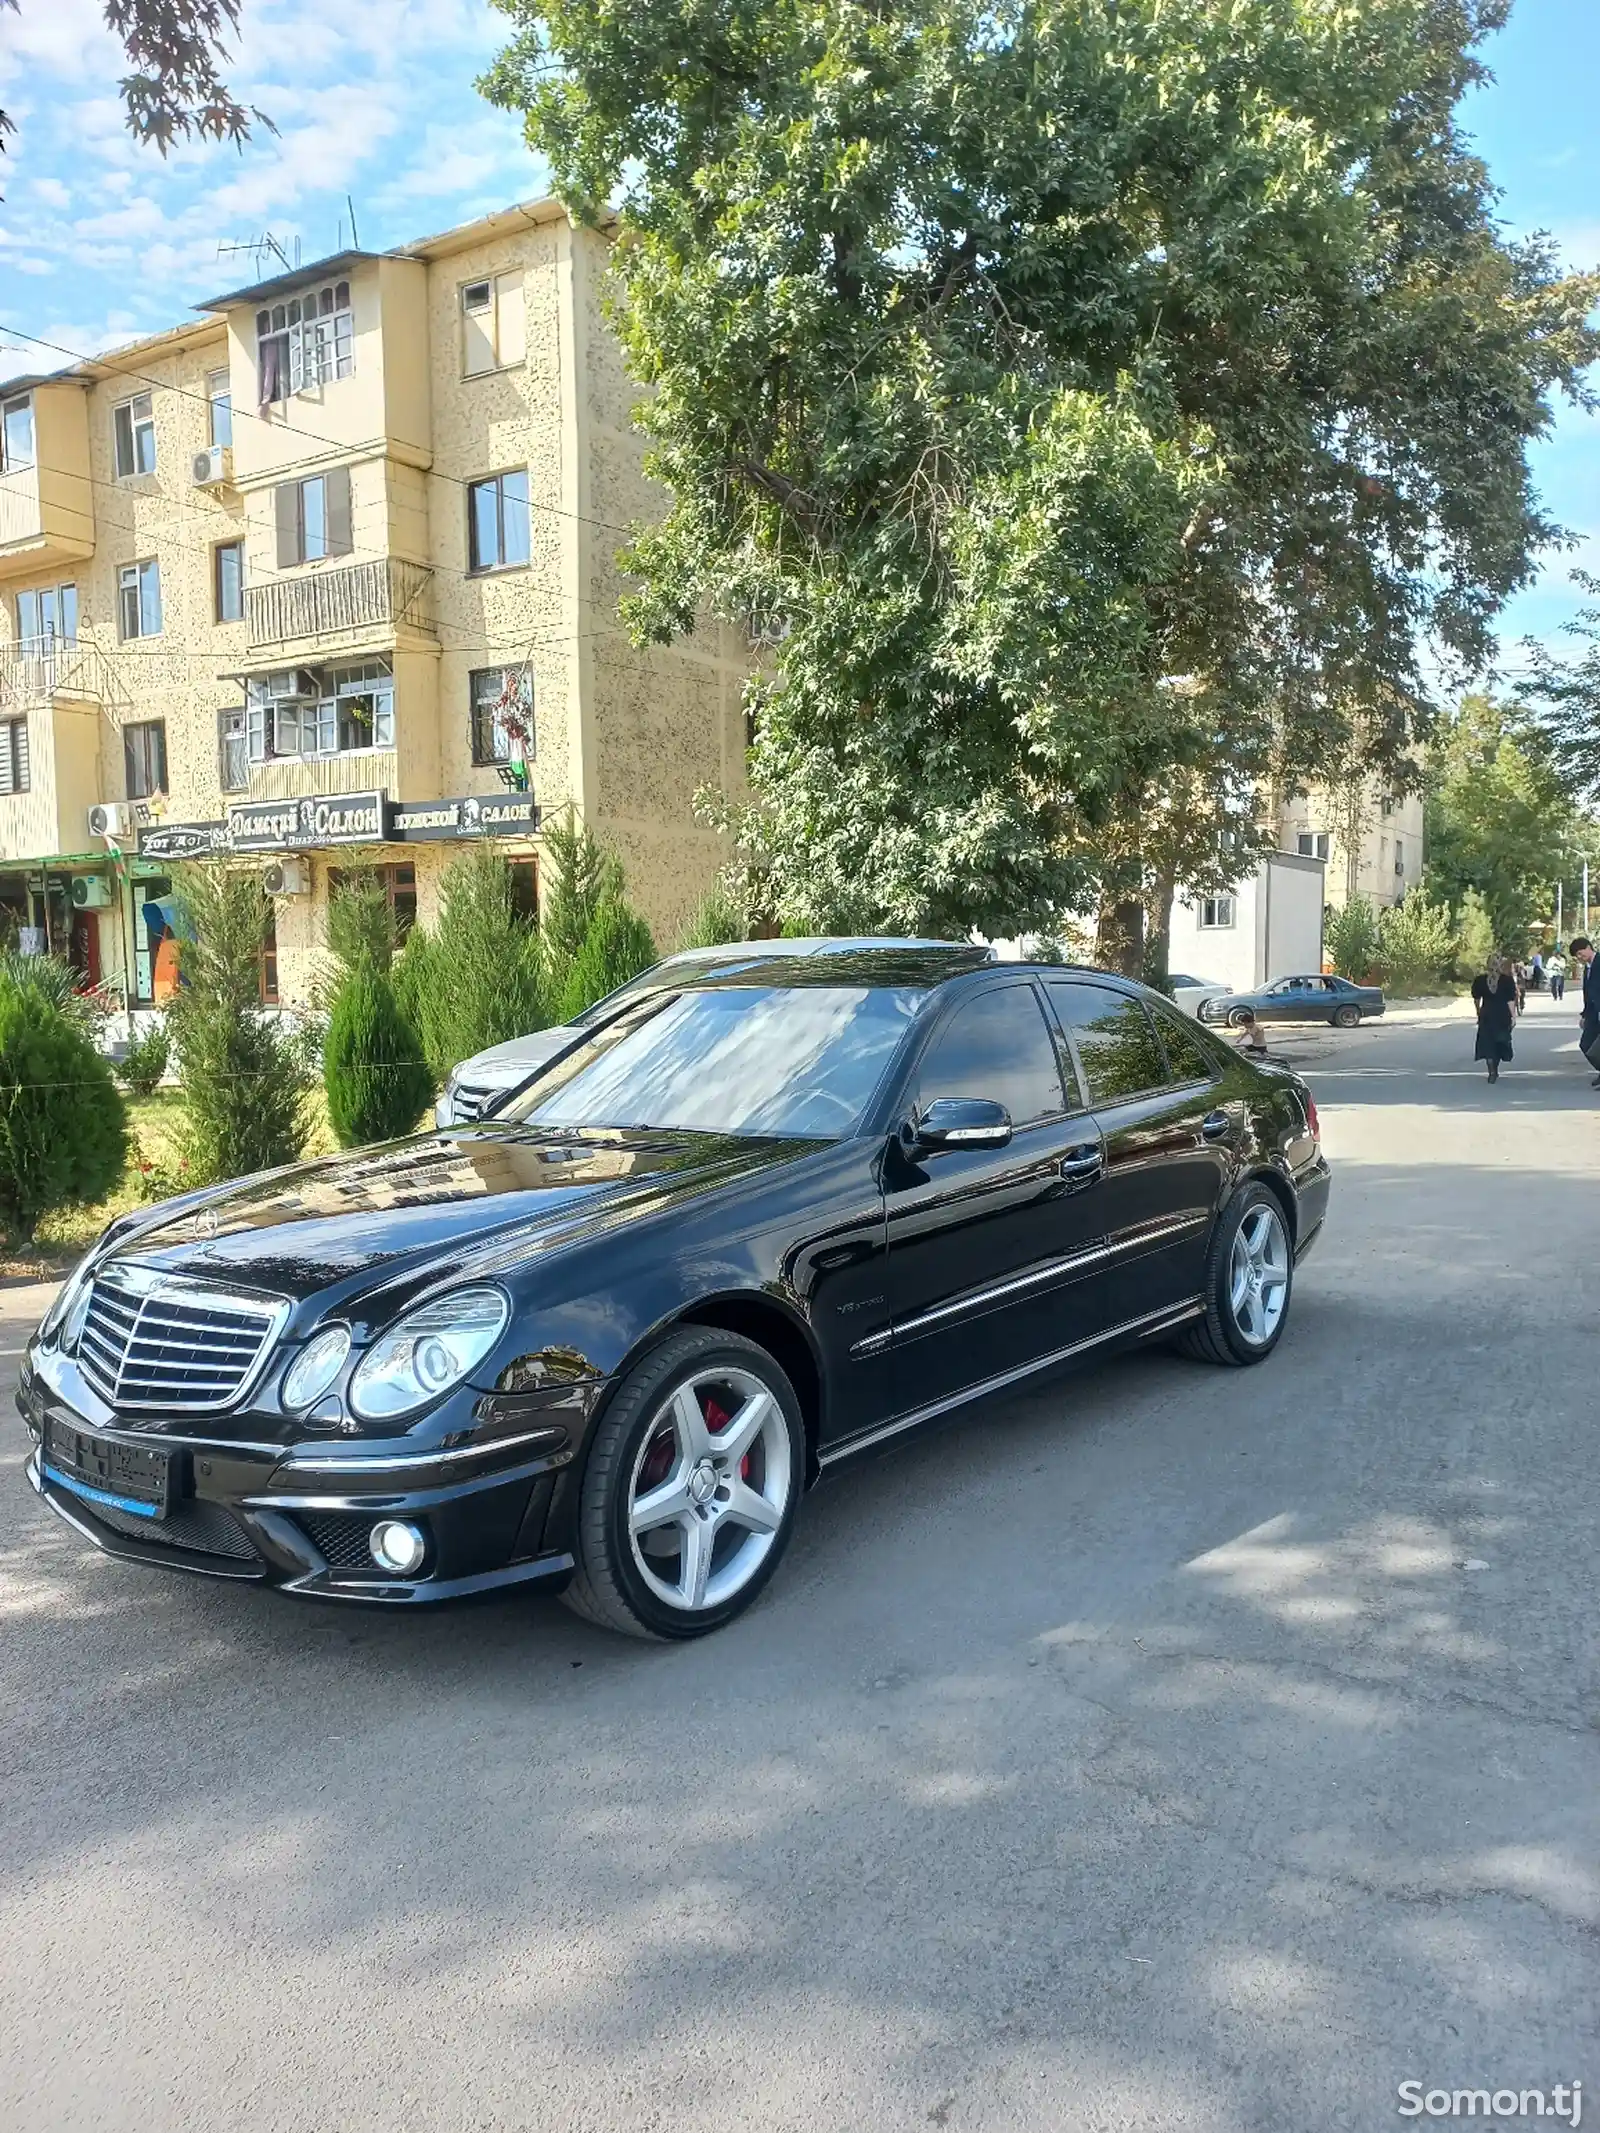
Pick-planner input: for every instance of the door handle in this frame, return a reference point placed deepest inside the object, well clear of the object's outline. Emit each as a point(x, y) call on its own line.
point(1216, 1126)
point(1079, 1166)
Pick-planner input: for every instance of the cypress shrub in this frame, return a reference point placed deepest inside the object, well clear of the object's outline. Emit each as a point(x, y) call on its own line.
point(481, 969)
point(361, 924)
point(579, 876)
point(617, 947)
point(716, 920)
point(244, 1079)
point(63, 1125)
point(376, 1078)
point(145, 1061)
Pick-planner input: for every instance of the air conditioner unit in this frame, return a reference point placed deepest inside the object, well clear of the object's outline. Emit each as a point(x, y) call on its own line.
point(111, 819)
point(296, 685)
point(287, 877)
point(213, 468)
point(91, 892)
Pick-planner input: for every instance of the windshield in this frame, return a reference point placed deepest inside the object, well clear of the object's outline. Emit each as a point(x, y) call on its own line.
point(732, 1059)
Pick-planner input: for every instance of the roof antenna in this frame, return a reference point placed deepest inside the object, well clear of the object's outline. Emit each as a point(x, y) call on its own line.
point(355, 241)
point(259, 248)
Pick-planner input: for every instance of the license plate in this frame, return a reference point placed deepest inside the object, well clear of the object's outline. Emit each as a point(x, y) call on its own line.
point(129, 1477)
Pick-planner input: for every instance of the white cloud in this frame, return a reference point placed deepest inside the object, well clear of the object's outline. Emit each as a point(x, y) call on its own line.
point(51, 192)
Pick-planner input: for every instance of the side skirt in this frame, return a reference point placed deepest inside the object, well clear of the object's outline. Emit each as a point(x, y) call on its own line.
point(1144, 1327)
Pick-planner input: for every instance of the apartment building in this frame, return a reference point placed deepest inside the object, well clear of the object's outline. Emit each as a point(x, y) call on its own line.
point(328, 576)
point(1372, 843)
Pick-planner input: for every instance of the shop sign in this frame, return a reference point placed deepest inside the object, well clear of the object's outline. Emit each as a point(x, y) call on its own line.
point(341, 818)
point(517, 815)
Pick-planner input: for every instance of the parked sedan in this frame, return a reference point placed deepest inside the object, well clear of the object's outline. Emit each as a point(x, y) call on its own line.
point(759, 1222)
point(1305, 999)
point(1191, 994)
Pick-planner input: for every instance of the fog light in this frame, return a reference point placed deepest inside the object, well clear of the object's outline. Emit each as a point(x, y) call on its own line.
point(398, 1546)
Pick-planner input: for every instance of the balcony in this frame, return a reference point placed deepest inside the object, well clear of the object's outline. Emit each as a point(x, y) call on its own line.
point(47, 506)
point(353, 605)
point(55, 697)
point(31, 678)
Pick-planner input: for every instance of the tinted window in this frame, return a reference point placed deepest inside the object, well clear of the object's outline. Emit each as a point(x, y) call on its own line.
point(736, 1059)
point(1116, 1044)
point(1185, 1048)
point(997, 1045)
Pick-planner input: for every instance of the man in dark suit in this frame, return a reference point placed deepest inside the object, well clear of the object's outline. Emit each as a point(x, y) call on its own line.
point(1589, 1029)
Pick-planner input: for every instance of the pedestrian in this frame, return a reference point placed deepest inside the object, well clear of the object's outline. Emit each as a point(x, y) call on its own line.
point(1494, 995)
point(1589, 1028)
point(1519, 977)
point(1252, 1037)
point(1536, 972)
point(1557, 971)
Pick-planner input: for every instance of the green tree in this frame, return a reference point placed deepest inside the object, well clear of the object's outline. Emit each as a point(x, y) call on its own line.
point(1416, 943)
point(145, 1061)
point(1475, 938)
point(376, 1078)
point(1567, 693)
point(1352, 938)
point(717, 918)
point(474, 981)
point(1074, 396)
point(1500, 817)
point(244, 1078)
point(617, 947)
point(361, 925)
point(63, 1127)
point(578, 876)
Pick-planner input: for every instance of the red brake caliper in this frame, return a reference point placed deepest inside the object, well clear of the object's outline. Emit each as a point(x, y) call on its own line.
point(717, 1420)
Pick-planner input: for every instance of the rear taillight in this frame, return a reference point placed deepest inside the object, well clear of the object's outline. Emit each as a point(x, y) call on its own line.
point(1312, 1120)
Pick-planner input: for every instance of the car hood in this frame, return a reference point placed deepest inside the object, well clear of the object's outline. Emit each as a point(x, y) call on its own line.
point(436, 1204)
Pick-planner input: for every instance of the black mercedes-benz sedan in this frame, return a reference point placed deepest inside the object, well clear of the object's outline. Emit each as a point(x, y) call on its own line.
point(603, 1340)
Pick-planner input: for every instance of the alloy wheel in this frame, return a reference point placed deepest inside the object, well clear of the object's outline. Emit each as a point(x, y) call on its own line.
point(709, 1489)
point(1258, 1275)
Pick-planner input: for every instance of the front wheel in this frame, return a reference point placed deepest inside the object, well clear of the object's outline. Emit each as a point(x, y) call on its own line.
point(690, 1491)
point(1249, 1282)
point(1238, 1017)
point(1346, 1017)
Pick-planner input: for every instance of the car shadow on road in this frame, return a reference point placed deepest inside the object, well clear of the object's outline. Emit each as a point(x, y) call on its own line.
point(1166, 1745)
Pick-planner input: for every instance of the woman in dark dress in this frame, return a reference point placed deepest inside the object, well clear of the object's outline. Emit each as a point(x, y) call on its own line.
point(1494, 995)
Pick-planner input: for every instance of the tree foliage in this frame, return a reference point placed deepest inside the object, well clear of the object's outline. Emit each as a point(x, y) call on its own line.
point(1500, 818)
point(1351, 937)
point(1082, 400)
point(1475, 941)
point(1416, 943)
point(617, 947)
point(475, 980)
point(176, 89)
point(579, 875)
point(145, 1061)
point(717, 918)
point(1567, 694)
point(376, 1078)
point(63, 1128)
point(243, 1076)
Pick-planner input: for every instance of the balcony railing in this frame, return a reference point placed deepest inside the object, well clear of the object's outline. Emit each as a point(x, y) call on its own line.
point(32, 674)
point(339, 603)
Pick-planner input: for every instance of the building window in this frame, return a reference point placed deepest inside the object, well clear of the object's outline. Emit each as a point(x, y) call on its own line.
point(525, 890)
point(133, 425)
point(502, 715)
point(233, 759)
point(269, 955)
point(1389, 804)
point(16, 432)
point(13, 755)
point(144, 758)
point(314, 711)
point(399, 885)
point(491, 324)
point(219, 393)
point(308, 341)
point(497, 521)
point(1399, 856)
point(1312, 844)
point(227, 580)
point(313, 518)
point(46, 617)
point(1215, 913)
point(139, 599)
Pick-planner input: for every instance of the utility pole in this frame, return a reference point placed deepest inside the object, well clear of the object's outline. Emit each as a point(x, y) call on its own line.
point(1586, 896)
point(1558, 914)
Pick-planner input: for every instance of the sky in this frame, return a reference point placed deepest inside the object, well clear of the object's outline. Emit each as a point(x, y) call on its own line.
point(101, 241)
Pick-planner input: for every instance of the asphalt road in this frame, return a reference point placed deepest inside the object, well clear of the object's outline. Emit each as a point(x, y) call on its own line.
point(1169, 1748)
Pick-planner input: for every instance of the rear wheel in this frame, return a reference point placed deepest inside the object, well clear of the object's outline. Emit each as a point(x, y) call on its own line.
point(1249, 1282)
point(1238, 1017)
point(690, 1491)
point(1346, 1017)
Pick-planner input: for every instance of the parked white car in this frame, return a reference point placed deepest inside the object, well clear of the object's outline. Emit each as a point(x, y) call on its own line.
point(482, 1080)
point(1189, 993)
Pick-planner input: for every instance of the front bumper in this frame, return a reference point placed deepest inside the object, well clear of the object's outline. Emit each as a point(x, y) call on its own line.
point(495, 1513)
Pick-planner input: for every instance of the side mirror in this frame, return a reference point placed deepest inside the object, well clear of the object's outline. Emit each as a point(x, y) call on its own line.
point(961, 1122)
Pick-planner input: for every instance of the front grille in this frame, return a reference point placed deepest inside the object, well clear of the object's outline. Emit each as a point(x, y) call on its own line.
point(203, 1528)
point(469, 1098)
point(340, 1538)
point(153, 1341)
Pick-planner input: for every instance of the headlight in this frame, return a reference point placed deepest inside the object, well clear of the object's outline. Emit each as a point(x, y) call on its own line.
point(426, 1352)
point(316, 1366)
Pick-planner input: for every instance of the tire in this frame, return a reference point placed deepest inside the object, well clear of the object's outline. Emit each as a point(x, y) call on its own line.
point(724, 1521)
point(1222, 1335)
point(1238, 1017)
point(1346, 1017)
